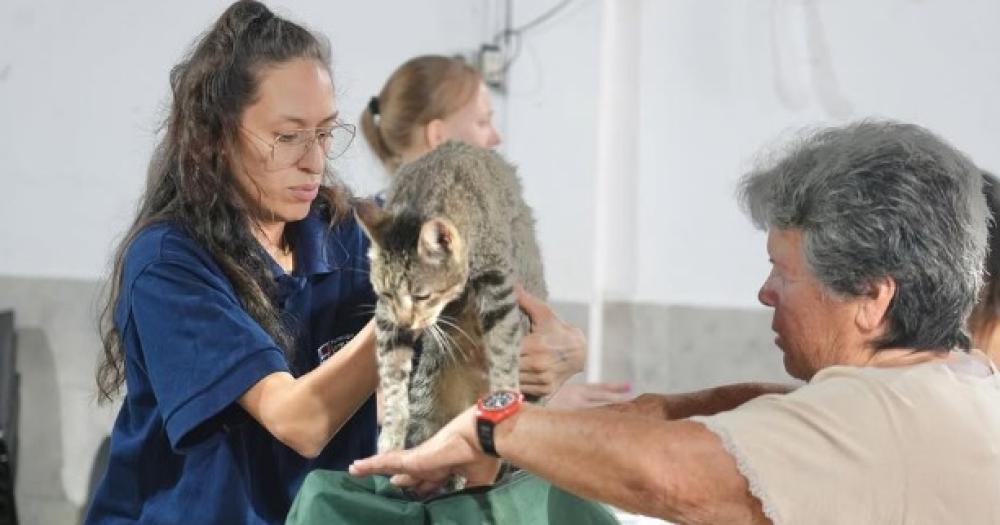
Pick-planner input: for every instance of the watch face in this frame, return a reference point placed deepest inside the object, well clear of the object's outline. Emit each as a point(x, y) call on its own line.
point(498, 400)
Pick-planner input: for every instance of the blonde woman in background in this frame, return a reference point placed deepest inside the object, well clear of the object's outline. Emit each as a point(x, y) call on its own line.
point(426, 102)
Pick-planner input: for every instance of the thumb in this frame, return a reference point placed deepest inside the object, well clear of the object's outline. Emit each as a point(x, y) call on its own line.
point(536, 308)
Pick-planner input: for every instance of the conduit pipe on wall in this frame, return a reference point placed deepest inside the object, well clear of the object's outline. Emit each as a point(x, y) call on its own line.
point(616, 177)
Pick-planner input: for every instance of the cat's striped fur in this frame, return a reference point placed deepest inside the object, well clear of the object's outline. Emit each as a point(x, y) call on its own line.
point(454, 237)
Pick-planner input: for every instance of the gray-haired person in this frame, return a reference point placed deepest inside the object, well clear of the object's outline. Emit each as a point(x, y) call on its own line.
point(876, 235)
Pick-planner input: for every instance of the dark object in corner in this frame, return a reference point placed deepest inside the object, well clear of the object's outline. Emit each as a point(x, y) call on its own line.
point(10, 405)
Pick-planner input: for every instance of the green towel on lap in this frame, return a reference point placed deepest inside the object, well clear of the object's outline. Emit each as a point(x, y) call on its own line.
point(332, 497)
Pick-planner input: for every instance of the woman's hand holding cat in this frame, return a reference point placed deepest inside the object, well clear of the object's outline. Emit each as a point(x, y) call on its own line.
point(454, 449)
point(552, 352)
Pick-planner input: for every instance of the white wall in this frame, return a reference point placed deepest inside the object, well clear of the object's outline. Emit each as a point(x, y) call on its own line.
point(83, 87)
point(710, 101)
point(718, 81)
point(82, 90)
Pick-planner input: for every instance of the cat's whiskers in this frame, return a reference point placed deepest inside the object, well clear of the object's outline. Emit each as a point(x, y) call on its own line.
point(458, 349)
point(446, 343)
point(456, 345)
point(446, 349)
point(452, 324)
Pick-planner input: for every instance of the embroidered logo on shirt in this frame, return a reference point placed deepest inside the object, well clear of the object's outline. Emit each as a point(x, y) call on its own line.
point(330, 347)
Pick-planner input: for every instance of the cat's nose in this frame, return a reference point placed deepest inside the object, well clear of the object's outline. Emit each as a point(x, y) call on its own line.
point(407, 319)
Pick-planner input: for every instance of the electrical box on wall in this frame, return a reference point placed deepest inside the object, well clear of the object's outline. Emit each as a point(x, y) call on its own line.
point(491, 65)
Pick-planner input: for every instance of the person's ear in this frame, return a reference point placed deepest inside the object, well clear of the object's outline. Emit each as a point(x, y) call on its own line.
point(435, 133)
point(874, 305)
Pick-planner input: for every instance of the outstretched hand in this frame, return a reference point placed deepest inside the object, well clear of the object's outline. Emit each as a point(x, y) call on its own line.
point(426, 468)
point(552, 352)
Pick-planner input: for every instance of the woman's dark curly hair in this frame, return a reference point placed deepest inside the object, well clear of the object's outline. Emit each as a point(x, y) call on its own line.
point(190, 183)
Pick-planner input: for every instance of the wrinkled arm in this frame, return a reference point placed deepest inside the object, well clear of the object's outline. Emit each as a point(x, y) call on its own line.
point(699, 403)
point(676, 470)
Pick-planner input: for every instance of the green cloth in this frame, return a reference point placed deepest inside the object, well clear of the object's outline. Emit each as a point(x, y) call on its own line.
point(332, 497)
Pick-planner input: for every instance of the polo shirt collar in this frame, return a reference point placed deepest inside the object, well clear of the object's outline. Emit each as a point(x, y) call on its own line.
point(311, 254)
point(315, 252)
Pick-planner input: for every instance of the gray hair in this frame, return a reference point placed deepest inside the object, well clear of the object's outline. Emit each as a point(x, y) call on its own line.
point(876, 199)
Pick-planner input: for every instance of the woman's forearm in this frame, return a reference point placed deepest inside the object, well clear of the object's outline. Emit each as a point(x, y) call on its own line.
point(305, 413)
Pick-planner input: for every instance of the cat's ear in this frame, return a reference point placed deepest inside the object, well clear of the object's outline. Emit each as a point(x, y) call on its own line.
point(439, 239)
point(370, 216)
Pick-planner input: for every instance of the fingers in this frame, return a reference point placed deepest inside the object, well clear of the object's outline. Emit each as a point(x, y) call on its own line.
point(537, 379)
point(421, 487)
point(538, 385)
point(535, 390)
point(404, 480)
point(537, 310)
point(387, 463)
point(418, 485)
point(536, 362)
point(428, 488)
point(427, 467)
point(534, 345)
point(403, 473)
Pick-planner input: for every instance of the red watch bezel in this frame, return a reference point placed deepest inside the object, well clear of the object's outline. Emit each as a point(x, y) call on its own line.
point(494, 415)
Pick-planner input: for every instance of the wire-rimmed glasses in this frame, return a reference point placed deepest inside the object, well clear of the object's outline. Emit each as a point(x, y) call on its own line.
point(288, 147)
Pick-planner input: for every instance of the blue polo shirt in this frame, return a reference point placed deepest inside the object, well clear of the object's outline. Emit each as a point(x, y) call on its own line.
point(182, 449)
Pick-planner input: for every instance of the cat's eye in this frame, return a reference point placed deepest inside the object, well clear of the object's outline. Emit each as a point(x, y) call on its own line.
point(421, 297)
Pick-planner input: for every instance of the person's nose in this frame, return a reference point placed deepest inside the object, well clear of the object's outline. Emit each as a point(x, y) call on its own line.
point(495, 138)
point(313, 158)
point(766, 295)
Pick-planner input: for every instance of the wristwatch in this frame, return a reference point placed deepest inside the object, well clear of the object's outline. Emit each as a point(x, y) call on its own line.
point(492, 409)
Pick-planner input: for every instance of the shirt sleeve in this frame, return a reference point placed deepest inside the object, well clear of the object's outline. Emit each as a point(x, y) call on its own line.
point(200, 348)
point(819, 454)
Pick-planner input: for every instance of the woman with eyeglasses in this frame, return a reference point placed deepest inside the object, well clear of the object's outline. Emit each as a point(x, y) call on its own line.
point(426, 102)
point(239, 307)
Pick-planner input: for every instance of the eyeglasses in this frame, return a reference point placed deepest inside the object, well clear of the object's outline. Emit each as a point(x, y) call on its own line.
point(288, 147)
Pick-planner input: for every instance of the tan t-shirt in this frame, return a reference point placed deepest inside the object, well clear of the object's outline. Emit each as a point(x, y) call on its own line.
point(914, 445)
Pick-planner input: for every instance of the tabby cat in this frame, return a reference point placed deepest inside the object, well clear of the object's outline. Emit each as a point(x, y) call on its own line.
point(454, 237)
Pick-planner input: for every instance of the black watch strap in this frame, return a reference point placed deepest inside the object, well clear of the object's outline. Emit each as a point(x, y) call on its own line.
point(484, 429)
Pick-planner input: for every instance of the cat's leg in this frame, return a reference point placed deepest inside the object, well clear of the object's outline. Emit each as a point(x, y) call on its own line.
point(395, 361)
point(425, 416)
point(502, 328)
point(421, 425)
